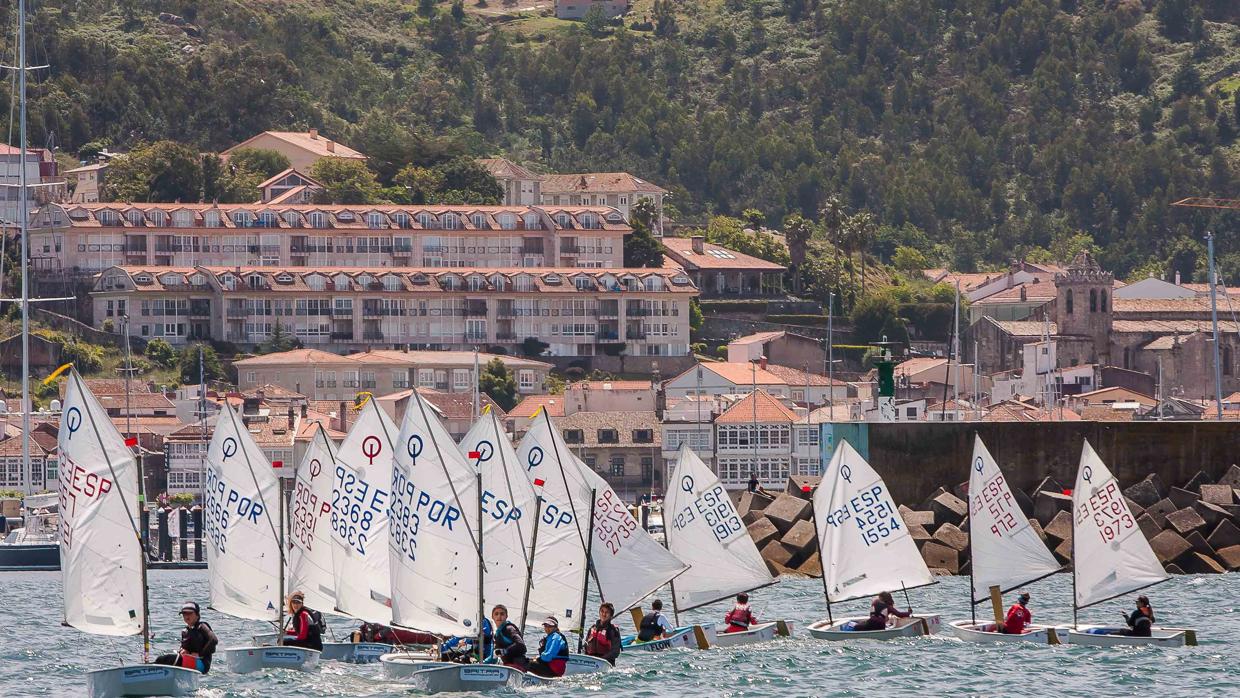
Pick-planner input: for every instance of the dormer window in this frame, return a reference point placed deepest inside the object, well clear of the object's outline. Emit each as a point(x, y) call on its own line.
point(284, 278)
point(341, 281)
point(524, 282)
point(242, 219)
point(268, 219)
point(345, 216)
point(654, 283)
point(159, 218)
point(401, 220)
point(451, 221)
point(228, 281)
point(135, 217)
point(478, 220)
point(375, 220)
point(108, 218)
point(507, 221)
point(583, 283)
point(451, 283)
point(257, 281)
point(531, 221)
point(317, 219)
point(365, 280)
point(316, 283)
point(498, 281)
point(590, 221)
point(420, 279)
point(551, 279)
point(211, 219)
point(183, 219)
point(142, 279)
point(198, 280)
point(680, 280)
point(426, 220)
point(391, 282)
point(477, 283)
point(171, 279)
point(293, 219)
point(563, 220)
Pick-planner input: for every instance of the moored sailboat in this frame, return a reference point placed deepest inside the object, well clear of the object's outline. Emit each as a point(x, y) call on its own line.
point(1005, 552)
point(865, 549)
point(1111, 558)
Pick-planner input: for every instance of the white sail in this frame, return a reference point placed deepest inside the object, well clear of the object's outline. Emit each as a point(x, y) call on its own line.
point(509, 504)
point(864, 544)
point(100, 556)
point(243, 544)
point(629, 563)
point(359, 519)
point(705, 530)
point(560, 552)
point(1005, 550)
point(310, 555)
point(1110, 552)
point(433, 528)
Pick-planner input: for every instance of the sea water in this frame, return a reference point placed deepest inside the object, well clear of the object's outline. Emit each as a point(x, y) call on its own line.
point(39, 657)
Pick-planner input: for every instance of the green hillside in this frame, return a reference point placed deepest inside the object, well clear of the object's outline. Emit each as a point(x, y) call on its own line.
point(974, 130)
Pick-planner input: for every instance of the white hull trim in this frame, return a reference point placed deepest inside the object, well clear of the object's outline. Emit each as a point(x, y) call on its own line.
point(244, 660)
point(462, 678)
point(903, 627)
point(969, 631)
point(142, 680)
point(763, 632)
point(401, 665)
point(351, 652)
point(691, 637)
point(1109, 636)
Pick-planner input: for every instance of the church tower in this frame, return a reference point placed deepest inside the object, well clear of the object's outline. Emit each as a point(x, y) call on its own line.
point(1083, 304)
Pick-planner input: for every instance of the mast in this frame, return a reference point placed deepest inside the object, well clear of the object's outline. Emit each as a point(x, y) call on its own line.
point(831, 351)
point(481, 572)
point(585, 588)
point(529, 575)
point(956, 354)
point(23, 217)
point(1218, 378)
point(1074, 608)
point(283, 603)
point(202, 429)
point(143, 536)
point(825, 592)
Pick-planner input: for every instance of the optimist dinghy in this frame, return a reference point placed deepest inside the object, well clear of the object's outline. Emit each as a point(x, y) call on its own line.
point(694, 637)
point(1111, 558)
point(1006, 553)
point(101, 553)
point(466, 678)
point(865, 548)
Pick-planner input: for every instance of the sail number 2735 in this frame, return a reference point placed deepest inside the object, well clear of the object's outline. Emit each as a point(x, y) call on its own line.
point(872, 513)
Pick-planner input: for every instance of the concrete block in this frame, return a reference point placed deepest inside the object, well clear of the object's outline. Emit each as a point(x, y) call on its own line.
point(1144, 493)
point(774, 551)
point(797, 484)
point(1218, 494)
point(1195, 482)
point(1048, 484)
point(1231, 478)
point(937, 555)
point(951, 536)
point(1233, 509)
point(780, 570)
point(1060, 527)
point(925, 505)
point(750, 517)
point(918, 532)
point(1169, 546)
point(1185, 520)
point(1230, 557)
point(1037, 528)
point(786, 510)
point(1212, 513)
point(1182, 498)
point(1198, 541)
point(1135, 508)
point(763, 532)
point(1063, 551)
point(1224, 535)
point(812, 567)
point(1196, 563)
point(801, 538)
point(1148, 526)
point(925, 518)
point(1159, 511)
point(753, 501)
point(1047, 504)
point(940, 572)
point(948, 508)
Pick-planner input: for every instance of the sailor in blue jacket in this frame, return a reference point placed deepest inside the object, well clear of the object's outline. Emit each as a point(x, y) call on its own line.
point(552, 651)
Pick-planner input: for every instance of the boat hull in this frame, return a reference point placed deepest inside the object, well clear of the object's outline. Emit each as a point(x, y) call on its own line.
point(142, 680)
point(462, 678)
point(904, 627)
point(351, 652)
point(1104, 636)
point(244, 660)
point(34, 558)
point(969, 631)
point(762, 632)
point(692, 637)
point(399, 665)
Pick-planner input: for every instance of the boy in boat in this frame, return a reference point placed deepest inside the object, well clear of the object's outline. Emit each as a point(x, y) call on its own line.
point(881, 609)
point(1141, 620)
point(740, 617)
point(508, 642)
point(552, 651)
point(303, 630)
point(655, 625)
point(603, 639)
point(198, 642)
point(1018, 616)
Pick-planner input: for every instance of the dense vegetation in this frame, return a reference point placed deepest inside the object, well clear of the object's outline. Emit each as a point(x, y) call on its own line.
point(972, 130)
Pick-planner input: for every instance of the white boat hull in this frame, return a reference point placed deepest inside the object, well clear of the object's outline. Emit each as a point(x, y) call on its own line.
point(763, 632)
point(903, 627)
point(969, 631)
point(244, 660)
point(585, 664)
point(692, 637)
point(466, 678)
point(352, 652)
point(142, 680)
point(400, 665)
point(1106, 636)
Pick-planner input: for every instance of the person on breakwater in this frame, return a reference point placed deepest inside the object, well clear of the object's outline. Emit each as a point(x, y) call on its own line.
point(740, 617)
point(1018, 616)
point(508, 642)
point(552, 657)
point(881, 609)
point(1141, 620)
point(604, 638)
point(303, 630)
point(198, 642)
point(655, 625)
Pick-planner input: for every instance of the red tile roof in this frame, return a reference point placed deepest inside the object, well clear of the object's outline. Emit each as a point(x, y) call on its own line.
point(767, 409)
point(313, 142)
point(610, 182)
point(554, 405)
point(680, 250)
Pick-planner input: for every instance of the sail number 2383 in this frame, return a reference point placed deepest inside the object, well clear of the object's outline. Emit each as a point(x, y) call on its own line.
point(872, 513)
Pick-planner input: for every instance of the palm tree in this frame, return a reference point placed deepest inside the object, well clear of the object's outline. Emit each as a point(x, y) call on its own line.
point(833, 217)
point(797, 231)
point(862, 228)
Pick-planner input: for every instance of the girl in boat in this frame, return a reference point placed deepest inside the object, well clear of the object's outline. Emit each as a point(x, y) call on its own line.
point(508, 642)
point(1141, 620)
point(604, 638)
point(881, 609)
point(552, 651)
point(303, 631)
point(740, 617)
point(198, 642)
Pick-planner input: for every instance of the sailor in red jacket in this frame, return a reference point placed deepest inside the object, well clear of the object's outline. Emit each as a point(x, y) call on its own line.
point(740, 617)
point(1018, 617)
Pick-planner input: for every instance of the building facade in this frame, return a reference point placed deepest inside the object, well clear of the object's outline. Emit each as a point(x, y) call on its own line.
point(521, 187)
point(86, 238)
point(302, 148)
point(623, 447)
point(721, 272)
point(88, 183)
point(618, 190)
point(576, 312)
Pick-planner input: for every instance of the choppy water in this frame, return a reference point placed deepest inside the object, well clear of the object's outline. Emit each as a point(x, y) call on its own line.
point(38, 657)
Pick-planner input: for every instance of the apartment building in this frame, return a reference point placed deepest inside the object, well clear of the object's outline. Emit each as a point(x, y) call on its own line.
point(726, 378)
point(88, 182)
point(322, 375)
point(521, 187)
point(41, 169)
point(86, 238)
point(577, 312)
point(619, 190)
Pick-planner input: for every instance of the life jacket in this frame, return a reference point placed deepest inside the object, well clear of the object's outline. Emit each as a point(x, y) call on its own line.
point(562, 654)
point(598, 644)
point(739, 618)
point(649, 628)
point(502, 641)
point(1017, 618)
point(318, 626)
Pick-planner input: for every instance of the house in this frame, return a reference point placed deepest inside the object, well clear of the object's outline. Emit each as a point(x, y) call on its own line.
point(618, 190)
point(726, 378)
point(623, 447)
point(521, 187)
point(302, 148)
point(780, 348)
point(455, 410)
point(578, 9)
point(1111, 395)
point(289, 187)
point(754, 437)
point(930, 377)
point(524, 412)
point(87, 182)
point(720, 272)
point(609, 396)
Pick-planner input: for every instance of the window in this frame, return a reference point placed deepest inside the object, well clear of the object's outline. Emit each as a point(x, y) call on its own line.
point(617, 466)
point(647, 469)
point(507, 221)
point(643, 436)
point(460, 380)
point(1093, 300)
point(608, 436)
point(1226, 361)
point(478, 220)
point(316, 283)
point(1102, 303)
point(451, 221)
point(375, 220)
point(574, 436)
point(426, 378)
point(807, 437)
point(1068, 301)
point(525, 380)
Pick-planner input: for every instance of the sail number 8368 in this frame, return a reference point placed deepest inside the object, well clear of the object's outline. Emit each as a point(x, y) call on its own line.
point(872, 512)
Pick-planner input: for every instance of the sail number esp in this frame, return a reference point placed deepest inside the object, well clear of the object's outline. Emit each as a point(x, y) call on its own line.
point(873, 513)
point(715, 509)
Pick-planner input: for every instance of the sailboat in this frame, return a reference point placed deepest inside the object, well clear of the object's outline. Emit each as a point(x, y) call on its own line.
point(865, 548)
point(102, 557)
point(245, 543)
point(707, 533)
point(1111, 557)
point(1006, 553)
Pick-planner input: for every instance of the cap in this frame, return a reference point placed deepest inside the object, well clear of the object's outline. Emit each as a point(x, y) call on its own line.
point(190, 606)
point(297, 596)
point(550, 620)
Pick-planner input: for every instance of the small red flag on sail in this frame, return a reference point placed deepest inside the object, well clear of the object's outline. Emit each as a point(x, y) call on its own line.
point(131, 441)
point(538, 482)
point(475, 455)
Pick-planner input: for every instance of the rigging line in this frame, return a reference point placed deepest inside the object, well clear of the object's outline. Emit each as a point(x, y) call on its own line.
point(508, 481)
point(99, 437)
point(569, 491)
point(257, 489)
point(475, 540)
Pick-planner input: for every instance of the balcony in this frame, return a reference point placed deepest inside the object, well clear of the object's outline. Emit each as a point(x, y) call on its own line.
point(475, 337)
point(372, 336)
point(476, 310)
point(570, 249)
point(637, 312)
point(609, 335)
point(342, 336)
point(505, 336)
